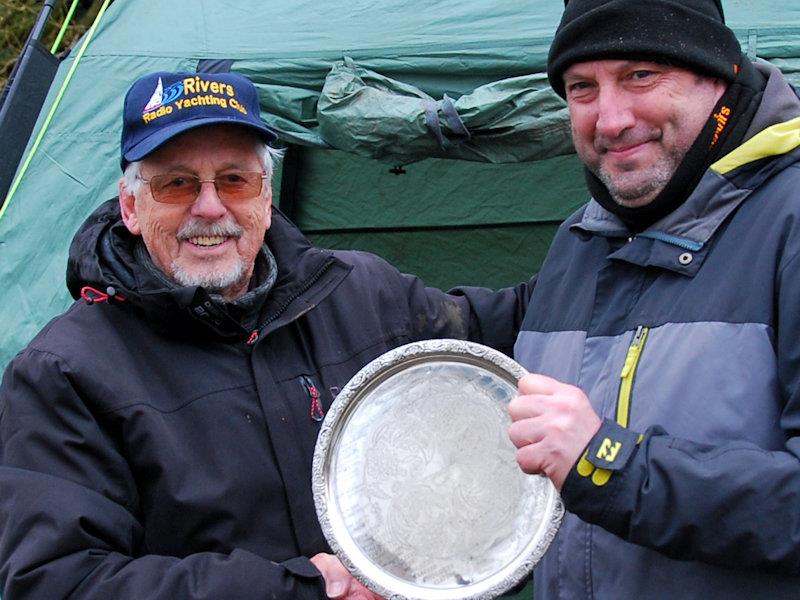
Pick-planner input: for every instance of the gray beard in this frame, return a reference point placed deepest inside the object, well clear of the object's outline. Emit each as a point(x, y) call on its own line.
point(639, 196)
point(646, 191)
point(215, 281)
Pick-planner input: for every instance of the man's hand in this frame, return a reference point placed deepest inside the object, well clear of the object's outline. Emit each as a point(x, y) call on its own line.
point(552, 424)
point(339, 584)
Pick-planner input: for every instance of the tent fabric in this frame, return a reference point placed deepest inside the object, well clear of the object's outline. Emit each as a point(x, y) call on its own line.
point(450, 222)
point(485, 222)
point(512, 120)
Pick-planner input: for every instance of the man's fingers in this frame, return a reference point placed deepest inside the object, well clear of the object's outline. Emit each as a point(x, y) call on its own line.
point(535, 383)
point(359, 592)
point(530, 459)
point(534, 391)
point(524, 432)
point(337, 578)
point(524, 407)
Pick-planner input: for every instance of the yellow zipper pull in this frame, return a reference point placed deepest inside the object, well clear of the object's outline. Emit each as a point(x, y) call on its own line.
point(627, 374)
point(633, 351)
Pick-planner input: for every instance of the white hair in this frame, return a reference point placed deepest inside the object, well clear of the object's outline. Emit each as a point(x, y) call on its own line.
point(266, 154)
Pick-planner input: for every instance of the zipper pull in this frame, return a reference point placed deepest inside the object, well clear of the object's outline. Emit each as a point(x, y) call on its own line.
point(633, 351)
point(627, 375)
point(316, 406)
point(253, 338)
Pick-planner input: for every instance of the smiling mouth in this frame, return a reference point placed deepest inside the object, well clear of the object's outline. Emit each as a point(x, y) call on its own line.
point(207, 241)
point(625, 149)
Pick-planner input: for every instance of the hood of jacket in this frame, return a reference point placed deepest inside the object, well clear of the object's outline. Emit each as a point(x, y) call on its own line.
point(102, 266)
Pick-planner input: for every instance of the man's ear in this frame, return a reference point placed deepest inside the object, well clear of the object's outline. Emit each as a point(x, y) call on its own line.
point(127, 208)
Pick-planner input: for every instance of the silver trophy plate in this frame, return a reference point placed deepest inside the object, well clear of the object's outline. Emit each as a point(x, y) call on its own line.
point(415, 480)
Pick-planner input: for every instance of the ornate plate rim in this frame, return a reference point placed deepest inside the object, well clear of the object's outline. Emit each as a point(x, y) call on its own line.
point(394, 360)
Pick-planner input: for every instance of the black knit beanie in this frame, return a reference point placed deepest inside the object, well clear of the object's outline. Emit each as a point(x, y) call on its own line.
point(688, 33)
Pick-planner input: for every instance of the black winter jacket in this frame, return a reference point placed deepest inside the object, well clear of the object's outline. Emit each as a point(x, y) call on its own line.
point(151, 447)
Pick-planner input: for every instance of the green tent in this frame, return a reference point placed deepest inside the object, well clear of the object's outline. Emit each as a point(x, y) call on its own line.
point(423, 131)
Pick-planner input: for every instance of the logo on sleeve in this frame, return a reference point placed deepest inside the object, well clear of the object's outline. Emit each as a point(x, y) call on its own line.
point(608, 450)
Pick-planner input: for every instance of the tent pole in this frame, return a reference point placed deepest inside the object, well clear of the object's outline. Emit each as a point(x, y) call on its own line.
point(40, 134)
point(23, 97)
point(41, 20)
point(64, 27)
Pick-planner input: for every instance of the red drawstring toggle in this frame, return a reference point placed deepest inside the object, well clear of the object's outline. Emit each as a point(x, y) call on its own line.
point(317, 413)
point(92, 295)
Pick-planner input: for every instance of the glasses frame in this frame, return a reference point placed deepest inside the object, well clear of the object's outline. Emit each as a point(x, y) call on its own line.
point(200, 183)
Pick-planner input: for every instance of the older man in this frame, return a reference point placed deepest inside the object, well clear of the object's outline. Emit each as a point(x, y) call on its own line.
point(664, 330)
point(156, 439)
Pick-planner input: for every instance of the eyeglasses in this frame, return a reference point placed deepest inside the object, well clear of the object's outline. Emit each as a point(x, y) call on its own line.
point(172, 188)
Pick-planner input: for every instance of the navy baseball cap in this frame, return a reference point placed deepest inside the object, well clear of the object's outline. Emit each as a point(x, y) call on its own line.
point(161, 105)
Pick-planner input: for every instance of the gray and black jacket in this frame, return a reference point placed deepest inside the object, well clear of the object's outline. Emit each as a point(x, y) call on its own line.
point(686, 338)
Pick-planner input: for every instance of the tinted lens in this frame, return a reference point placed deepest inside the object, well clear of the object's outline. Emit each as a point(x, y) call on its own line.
point(174, 189)
point(238, 186)
point(171, 188)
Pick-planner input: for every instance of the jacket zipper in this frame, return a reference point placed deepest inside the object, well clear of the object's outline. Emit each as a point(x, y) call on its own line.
point(256, 333)
point(601, 476)
point(683, 243)
point(628, 374)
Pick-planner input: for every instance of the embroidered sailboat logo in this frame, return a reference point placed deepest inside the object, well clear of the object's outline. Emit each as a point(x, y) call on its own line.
point(156, 98)
point(162, 97)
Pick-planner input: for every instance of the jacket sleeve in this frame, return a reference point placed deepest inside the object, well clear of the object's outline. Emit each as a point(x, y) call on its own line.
point(70, 522)
point(482, 315)
point(734, 504)
point(490, 317)
point(496, 316)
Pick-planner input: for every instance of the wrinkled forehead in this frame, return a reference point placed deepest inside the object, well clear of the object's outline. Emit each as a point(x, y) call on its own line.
point(220, 146)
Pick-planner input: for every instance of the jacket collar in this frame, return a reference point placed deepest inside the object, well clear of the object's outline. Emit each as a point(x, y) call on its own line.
point(306, 274)
point(678, 242)
point(102, 255)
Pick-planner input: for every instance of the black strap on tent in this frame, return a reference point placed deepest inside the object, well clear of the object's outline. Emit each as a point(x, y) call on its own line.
point(454, 122)
point(432, 121)
point(290, 169)
point(460, 133)
point(54, 106)
point(33, 36)
point(214, 65)
point(442, 227)
point(23, 98)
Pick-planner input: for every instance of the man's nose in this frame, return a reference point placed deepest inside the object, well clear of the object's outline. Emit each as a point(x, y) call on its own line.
point(208, 205)
point(614, 113)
